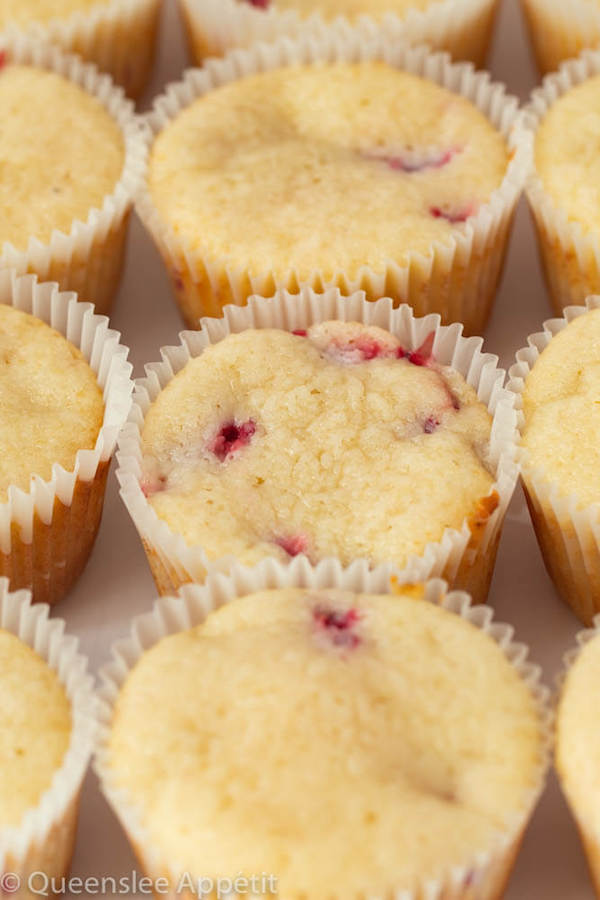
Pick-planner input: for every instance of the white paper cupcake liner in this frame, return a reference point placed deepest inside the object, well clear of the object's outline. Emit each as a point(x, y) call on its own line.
point(47, 533)
point(590, 837)
point(119, 36)
point(560, 30)
point(482, 876)
point(461, 27)
point(89, 258)
point(570, 254)
point(457, 278)
point(568, 532)
point(460, 557)
point(44, 838)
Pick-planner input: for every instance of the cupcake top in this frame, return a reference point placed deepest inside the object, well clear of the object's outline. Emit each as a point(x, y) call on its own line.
point(61, 154)
point(329, 9)
point(25, 12)
point(566, 153)
point(397, 723)
point(328, 167)
point(51, 405)
point(561, 431)
point(578, 735)
point(336, 441)
point(35, 728)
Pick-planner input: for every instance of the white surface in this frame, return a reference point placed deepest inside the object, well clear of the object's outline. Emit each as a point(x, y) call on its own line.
point(117, 583)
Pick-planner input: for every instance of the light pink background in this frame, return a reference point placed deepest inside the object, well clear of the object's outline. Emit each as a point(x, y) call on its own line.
point(117, 583)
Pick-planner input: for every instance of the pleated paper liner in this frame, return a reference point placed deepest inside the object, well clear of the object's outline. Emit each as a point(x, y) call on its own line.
point(119, 36)
point(47, 533)
point(465, 556)
point(559, 30)
point(89, 259)
point(482, 876)
point(570, 254)
point(568, 532)
point(44, 839)
point(461, 27)
point(457, 278)
point(590, 837)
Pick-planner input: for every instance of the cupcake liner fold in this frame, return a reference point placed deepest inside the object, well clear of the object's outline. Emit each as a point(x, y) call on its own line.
point(461, 27)
point(47, 533)
point(568, 533)
point(44, 839)
point(570, 254)
point(560, 31)
point(457, 278)
point(484, 875)
point(464, 557)
point(590, 837)
point(89, 259)
point(103, 35)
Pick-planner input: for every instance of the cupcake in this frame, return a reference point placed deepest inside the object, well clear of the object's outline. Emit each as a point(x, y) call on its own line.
point(48, 722)
point(406, 721)
point(304, 164)
point(564, 118)
point(578, 743)
point(559, 30)
point(462, 27)
point(556, 382)
point(301, 426)
point(64, 393)
point(99, 30)
point(70, 153)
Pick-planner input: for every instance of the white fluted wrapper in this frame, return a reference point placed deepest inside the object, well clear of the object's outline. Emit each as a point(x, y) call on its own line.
point(461, 27)
point(457, 278)
point(119, 36)
point(570, 254)
point(568, 532)
point(89, 259)
point(47, 533)
point(590, 837)
point(464, 557)
point(559, 30)
point(44, 839)
point(482, 876)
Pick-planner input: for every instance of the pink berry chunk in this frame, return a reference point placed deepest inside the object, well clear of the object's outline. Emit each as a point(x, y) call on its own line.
point(423, 355)
point(363, 349)
point(293, 545)
point(2, 58)
point(300, 332)
point(454, 216)
point(338, 625)
point(430, 424)
point(411, 162)
point(231, 438)
point(261, 4)
point(153, 484)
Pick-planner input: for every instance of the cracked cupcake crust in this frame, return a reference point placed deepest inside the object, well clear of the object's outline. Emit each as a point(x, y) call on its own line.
point(400, 724)
point(337, 441)
point(324, 168)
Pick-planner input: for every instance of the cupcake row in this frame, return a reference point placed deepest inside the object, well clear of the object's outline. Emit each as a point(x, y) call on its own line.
point(311, 425)
point(331, 162)
point(219, 748)
point(100, 30)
